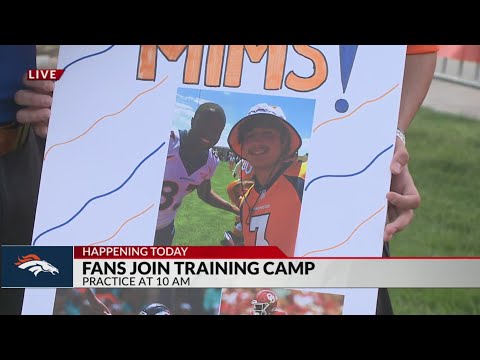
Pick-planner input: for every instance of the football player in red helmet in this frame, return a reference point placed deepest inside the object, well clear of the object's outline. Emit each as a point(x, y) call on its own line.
point(265, 303)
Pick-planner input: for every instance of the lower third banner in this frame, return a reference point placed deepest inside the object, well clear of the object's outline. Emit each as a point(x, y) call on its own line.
point(222, 267)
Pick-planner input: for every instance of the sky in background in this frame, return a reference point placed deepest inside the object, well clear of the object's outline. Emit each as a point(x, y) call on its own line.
point(299, 112)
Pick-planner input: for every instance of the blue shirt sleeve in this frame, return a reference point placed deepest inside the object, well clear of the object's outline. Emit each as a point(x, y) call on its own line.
point(15, 60)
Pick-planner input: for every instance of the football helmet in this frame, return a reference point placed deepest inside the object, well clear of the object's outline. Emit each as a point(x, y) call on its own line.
point(264, 303)
point(155, 309)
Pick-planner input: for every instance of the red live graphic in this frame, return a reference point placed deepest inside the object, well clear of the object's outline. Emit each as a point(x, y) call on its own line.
point(47, 74)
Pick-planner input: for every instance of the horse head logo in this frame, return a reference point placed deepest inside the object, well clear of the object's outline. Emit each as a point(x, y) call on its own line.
point(34, 264)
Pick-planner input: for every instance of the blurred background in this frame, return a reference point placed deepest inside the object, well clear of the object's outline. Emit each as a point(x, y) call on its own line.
point(444, 147)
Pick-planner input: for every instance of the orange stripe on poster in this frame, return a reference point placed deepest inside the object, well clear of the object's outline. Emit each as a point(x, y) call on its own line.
point(460, 52)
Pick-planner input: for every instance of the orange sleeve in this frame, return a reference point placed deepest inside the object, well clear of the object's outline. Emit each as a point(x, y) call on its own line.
point(421, 49)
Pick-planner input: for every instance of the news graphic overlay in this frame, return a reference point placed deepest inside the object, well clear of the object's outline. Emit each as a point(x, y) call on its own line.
point(181, 276)
point(37, 266)
point(194, 267)
point(45, 74)
point(259, 266)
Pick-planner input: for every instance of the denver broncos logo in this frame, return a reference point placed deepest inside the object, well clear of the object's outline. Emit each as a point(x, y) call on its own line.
point(34, 264)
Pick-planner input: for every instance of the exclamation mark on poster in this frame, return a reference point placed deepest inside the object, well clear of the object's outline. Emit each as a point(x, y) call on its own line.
point(347, 57)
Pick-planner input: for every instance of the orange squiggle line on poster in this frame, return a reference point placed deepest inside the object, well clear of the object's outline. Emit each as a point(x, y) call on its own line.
point(120, 228)
point(358, 108)
point(104, 117)
point(347, 239)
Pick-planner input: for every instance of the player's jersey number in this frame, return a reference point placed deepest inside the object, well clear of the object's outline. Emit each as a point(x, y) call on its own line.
point(259, 224)
point(169, 191)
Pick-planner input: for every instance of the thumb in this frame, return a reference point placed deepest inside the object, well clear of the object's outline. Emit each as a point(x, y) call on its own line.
point(400, 158)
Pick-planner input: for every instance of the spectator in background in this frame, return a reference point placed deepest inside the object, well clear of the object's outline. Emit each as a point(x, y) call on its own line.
point(22, 141)
point(403, 197)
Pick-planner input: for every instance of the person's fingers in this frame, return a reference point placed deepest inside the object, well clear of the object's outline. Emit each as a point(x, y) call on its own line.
point(400, 223)
point(42, 86)
point(407, 201)
point(400, 158)
point(386, 237)
point(41, 129)
point(33, 115)
point(32, 98)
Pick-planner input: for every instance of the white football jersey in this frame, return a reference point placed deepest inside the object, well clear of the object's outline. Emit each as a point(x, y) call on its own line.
point(176, 181)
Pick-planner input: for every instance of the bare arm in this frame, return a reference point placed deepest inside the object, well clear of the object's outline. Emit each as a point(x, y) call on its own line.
point(418, 76)
point(403, 197)
point(206, 193)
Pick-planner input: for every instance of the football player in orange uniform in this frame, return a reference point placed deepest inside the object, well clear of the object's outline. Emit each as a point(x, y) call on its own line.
point(270, 209)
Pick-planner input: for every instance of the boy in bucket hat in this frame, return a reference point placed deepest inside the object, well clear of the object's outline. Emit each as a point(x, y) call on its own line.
point(271, 208)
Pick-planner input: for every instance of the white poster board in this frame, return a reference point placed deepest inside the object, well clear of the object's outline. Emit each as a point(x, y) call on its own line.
point(115, 106)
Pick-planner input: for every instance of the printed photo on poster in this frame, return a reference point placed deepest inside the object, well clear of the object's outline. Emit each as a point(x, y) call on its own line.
point(279, 302)
point(220, 143)
point(88, 301)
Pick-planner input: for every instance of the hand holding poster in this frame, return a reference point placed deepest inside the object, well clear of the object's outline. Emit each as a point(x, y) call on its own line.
point(130, 140)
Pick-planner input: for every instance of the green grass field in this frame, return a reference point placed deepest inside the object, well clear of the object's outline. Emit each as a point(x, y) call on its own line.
point(445, 162)
point(200, 224)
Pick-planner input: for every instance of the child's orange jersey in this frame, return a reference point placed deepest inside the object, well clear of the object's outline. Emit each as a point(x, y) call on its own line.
point(270, 216)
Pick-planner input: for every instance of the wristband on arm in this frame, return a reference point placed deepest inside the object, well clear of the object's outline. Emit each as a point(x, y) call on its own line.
point(401, 136)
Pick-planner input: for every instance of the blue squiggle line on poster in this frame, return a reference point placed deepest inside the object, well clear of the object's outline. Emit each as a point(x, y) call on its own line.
point(100, 196)
point(88, 56)
point(349, 175)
